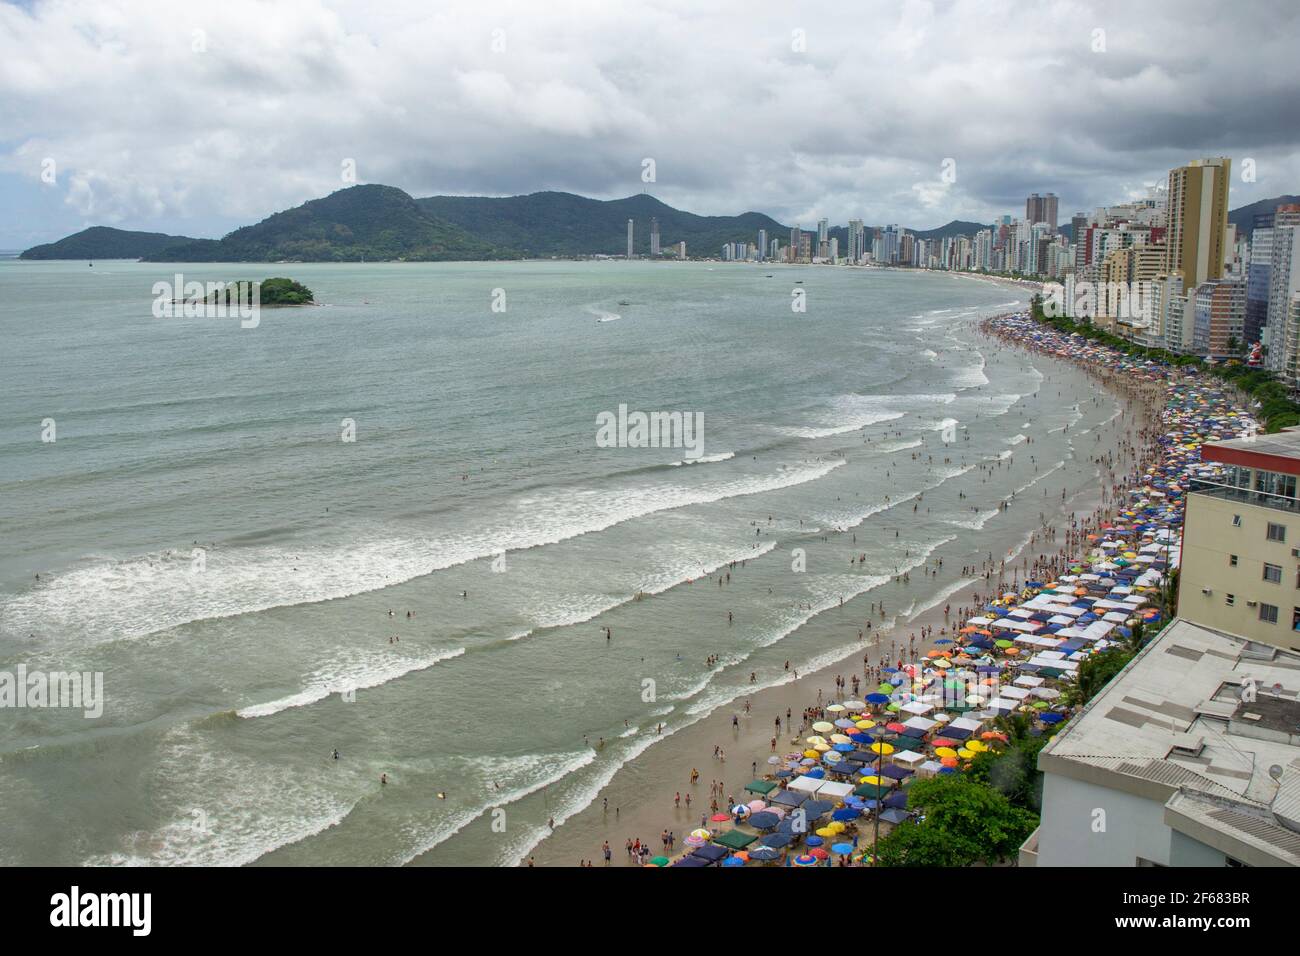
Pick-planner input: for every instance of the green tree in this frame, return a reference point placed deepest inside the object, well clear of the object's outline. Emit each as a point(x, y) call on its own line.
point(963, 823)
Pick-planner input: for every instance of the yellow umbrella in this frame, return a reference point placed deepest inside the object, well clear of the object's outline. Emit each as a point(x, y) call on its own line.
point(811, 754)
point(824, 727)
point(882, 748)
point(965, 754)
point(825, 832)
point(840, 739)
point(873, 779)
point(866, 724)
point(836, 708)
point(945, 752)
point(975, 745)
point(816, 739)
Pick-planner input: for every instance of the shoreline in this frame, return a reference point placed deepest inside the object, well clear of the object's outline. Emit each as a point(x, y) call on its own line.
point(641, 799)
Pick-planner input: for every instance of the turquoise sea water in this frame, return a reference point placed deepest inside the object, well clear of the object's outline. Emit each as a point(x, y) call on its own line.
point(207, 541)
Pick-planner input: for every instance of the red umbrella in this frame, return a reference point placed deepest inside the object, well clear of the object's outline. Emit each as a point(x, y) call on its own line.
point(720, 817)
point(895, 727)
point(818, 852)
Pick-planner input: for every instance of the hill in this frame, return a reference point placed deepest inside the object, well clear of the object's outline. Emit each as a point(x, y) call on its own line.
point(104, 242)
point(1244, 217)
point(374, 223)
point(562, 224)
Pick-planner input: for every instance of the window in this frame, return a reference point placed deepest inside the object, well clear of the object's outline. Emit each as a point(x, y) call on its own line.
point(1230, 599)
point(1236, 521)
point(1276, 532)
point(1232, 560)
point(1268, 613)
point(1273, 573)
point(1295, 619)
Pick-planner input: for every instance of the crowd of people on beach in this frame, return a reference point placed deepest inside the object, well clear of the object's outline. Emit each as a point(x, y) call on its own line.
point(1082, 582)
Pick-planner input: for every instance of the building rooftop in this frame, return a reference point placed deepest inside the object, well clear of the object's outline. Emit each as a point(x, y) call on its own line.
point(1209, 724)
point(1285, 443)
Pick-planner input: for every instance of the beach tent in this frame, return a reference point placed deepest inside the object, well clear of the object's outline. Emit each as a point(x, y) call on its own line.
point(908, 759)
point(733, 839)
point(834, 790)
point(787, 798)
point(806, 783)
point(712, 853)
point(761, 787)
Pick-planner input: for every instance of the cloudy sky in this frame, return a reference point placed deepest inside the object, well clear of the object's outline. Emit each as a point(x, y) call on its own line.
point(198, 117)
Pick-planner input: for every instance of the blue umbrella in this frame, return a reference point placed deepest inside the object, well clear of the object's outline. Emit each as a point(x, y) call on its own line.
point(845, 748)
point(843, 849)
point(814, 840)
point(846, 813)
point(763, 820)
point(877, 698)
point(733, 861)
point(1051, 718)
point(764, 854)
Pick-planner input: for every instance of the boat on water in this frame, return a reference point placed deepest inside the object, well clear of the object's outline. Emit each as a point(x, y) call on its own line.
point(624, 302)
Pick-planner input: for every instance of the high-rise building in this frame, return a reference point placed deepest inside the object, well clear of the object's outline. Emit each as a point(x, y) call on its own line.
point(1197, 218)
point(1041, 209)
point(1218, 317)
point(629, 238)
point(762, 244)
point(857, 241)
point(681, 250)
point(1281, 335)
point(654, 237)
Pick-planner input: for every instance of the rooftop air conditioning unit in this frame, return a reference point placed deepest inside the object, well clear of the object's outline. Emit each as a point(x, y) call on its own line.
point(1252, 603)
point(1206, 591)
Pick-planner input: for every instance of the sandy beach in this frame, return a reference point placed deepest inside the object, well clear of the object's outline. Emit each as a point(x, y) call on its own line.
point(641, 801)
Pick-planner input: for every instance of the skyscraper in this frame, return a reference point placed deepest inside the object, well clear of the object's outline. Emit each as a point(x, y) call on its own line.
point(629, 238)
point(762, 244)
point(1197, 219)
point(1041, 209)
point(654, 237)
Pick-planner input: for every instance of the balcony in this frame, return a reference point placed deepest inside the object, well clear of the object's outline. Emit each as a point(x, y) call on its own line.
point(1245, 496)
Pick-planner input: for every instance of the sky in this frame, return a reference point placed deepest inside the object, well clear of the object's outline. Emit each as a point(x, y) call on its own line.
point(195, 118)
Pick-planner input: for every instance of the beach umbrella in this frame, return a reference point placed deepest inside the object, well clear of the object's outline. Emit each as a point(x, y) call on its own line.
point(740, 810)
point(846, 813)
point(819, 853)
point(659, 861)
point(733, 861)
point(720, 817)
point(774, 760)
point(805, 859)
point(824, 727)
point(836, 709)
point(865, 724)
point(814, 841)
point(765, 854)
point(881, 748)
point(854, 704)
point(843, 849)
point(764, 820)
point(878, 698)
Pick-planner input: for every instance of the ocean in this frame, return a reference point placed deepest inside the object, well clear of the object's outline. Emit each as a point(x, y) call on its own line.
point(227, 516)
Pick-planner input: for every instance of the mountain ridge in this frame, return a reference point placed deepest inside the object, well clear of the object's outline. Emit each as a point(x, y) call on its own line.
point(383, 223)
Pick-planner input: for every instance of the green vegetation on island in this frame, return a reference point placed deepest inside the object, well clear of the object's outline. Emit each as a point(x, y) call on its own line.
point(275, 291)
